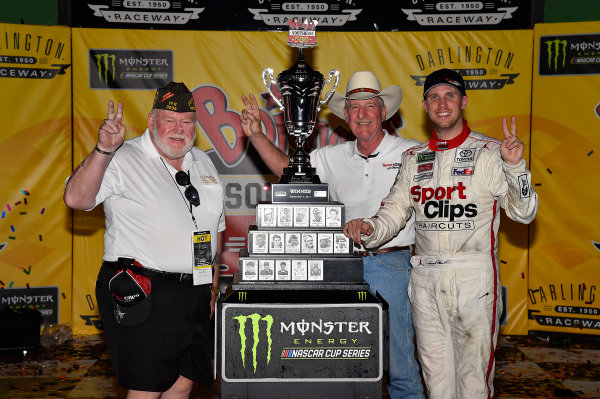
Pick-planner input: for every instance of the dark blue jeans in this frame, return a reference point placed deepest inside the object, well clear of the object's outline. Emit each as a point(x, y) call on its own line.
point(388, 274)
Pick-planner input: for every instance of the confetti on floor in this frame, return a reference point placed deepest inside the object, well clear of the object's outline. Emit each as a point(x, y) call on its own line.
point(526, 367)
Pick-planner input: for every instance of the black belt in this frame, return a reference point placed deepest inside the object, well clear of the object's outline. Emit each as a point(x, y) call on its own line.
point(159, 274)
point(383, 251)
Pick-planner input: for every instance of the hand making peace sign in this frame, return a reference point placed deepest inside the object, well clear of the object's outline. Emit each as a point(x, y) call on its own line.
point(511, 149)
point(250, 117)
point(112, 132)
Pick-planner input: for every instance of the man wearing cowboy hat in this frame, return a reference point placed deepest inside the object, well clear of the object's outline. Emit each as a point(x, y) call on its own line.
point(360, 174)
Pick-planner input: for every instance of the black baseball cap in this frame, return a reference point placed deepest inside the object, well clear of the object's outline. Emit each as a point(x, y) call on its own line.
point(444, 77)
point(131, 296)
point(174, 97)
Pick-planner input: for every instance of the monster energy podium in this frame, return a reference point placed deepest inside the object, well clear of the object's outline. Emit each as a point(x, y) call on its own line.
point(299, 321)
point(302, 343)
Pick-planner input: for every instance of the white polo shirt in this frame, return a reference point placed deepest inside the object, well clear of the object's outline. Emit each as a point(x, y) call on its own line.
point(147, 215)
point(361, 184)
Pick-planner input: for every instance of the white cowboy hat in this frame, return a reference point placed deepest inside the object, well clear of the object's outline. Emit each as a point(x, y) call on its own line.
point(363, 85)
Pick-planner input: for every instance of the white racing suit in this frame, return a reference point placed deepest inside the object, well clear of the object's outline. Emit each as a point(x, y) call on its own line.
point(456, 189)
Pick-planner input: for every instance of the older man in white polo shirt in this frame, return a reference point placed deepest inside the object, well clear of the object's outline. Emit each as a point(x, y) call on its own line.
point(360, 174)
point(158, 283)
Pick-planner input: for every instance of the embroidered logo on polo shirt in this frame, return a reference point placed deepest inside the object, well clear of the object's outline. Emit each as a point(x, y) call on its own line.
point(204, 179)
point(393, 165)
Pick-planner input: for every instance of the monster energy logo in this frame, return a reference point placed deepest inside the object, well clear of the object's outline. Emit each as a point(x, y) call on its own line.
point(256, 327)
point(241, 295)
point(362, 295)
point(102, 62)
point(556, 48)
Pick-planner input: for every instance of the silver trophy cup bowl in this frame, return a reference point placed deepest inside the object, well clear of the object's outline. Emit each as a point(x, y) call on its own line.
point(300, 88)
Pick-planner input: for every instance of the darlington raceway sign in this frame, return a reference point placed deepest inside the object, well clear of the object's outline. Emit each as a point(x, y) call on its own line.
point(301, 342)
point(355, 15)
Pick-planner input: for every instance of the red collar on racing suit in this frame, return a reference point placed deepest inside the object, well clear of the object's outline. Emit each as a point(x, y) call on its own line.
point(443, 145)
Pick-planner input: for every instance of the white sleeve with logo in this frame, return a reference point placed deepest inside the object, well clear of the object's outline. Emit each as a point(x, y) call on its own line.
point(512, 184)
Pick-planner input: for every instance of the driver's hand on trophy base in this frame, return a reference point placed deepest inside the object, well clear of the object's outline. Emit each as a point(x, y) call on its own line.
point(354, 228)
point(250, 117)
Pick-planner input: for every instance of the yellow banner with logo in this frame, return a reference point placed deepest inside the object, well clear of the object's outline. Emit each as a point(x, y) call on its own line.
point(548, 269)
point(564, 266)
point(221, 66)
point(35, 149)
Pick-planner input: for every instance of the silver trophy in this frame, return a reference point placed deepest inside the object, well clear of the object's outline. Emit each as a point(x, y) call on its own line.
point(300, 88)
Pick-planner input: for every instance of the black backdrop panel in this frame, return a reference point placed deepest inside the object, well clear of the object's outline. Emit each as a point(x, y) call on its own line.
point(350, 15)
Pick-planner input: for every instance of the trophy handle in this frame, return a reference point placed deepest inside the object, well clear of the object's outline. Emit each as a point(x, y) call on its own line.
point(332, 73)
point(268, 73)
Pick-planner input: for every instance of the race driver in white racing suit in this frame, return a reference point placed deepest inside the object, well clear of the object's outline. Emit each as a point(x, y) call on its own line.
point(456, 184)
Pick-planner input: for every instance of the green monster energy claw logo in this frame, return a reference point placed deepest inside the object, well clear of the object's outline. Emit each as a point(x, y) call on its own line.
point(255, 317)
point(362, 295)
point(102, 60)
point(241, 296)
point(560, 47)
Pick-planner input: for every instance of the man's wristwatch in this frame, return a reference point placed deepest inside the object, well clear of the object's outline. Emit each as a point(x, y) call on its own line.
point(214, 289)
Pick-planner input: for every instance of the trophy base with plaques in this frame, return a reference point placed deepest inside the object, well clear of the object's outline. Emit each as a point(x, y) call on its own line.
point(300, 321)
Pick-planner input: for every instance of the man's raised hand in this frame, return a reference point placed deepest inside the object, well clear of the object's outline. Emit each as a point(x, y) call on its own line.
point(112, 132)
point(512, 148)
point(250, 117)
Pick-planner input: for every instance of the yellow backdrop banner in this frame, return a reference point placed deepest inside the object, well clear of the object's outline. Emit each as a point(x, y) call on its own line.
point(565, 248)
point(35, 149)
point(221, 66)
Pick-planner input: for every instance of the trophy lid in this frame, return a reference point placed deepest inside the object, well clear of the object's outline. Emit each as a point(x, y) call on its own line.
point(300, 71)
point(301, 35)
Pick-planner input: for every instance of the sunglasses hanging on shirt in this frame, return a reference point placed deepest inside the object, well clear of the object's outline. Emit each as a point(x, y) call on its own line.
point(191, 194)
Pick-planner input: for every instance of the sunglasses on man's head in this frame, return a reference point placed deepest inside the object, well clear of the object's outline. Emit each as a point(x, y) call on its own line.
point(191, 194)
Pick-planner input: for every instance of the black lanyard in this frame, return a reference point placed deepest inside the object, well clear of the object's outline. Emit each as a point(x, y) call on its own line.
point(182, 197)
